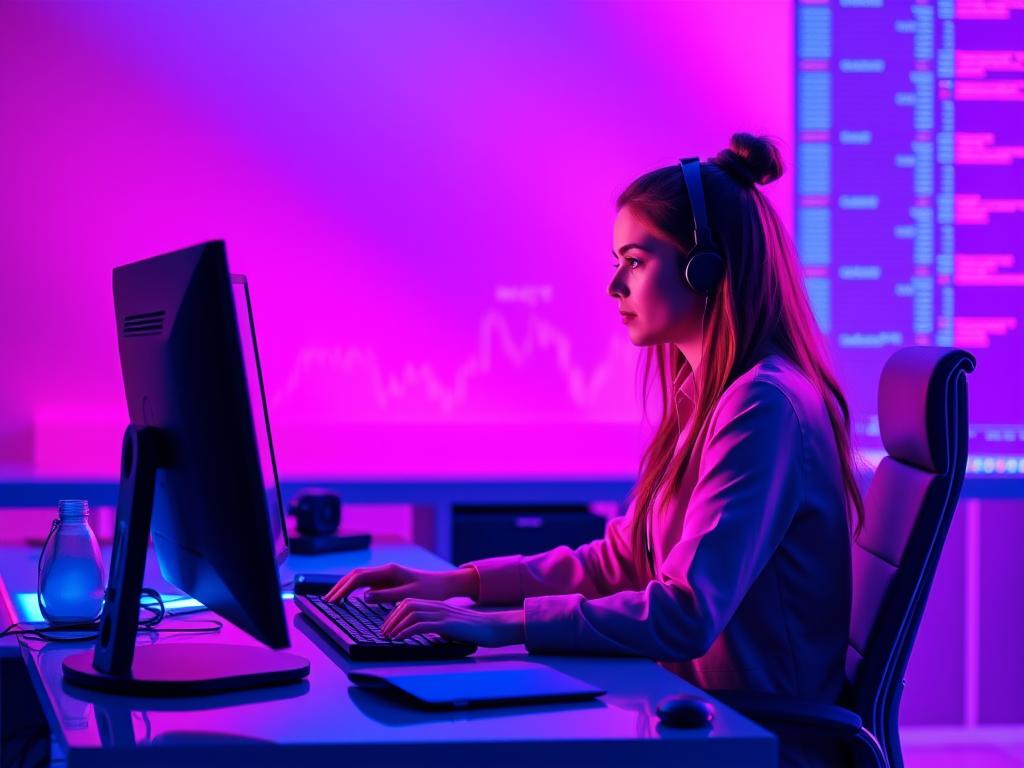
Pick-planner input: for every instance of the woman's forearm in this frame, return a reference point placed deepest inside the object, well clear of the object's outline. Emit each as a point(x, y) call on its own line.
point(465, 582)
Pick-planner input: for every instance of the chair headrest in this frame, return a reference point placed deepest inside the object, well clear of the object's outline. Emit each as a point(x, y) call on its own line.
point(916, 400)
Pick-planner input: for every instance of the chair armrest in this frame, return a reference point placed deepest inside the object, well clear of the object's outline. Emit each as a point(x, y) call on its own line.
point(768, 708)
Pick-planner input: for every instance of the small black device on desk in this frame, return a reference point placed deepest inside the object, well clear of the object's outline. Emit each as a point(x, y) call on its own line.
point(354, 626)
point(317, 514)
point(685, 711)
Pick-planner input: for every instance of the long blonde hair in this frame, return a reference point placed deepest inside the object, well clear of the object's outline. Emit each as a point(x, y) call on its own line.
point(760, 301)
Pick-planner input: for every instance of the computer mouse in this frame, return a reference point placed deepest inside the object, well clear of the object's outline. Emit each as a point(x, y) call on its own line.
point(685, 711)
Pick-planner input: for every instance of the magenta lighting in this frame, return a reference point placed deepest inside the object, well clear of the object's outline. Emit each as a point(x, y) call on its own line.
point(421, 198)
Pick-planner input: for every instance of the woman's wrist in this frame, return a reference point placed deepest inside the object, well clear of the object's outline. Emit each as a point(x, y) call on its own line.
point(517, 621)
point(465, 582)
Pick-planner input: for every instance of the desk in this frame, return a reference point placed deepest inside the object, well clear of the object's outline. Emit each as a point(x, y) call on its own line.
point(325, 720)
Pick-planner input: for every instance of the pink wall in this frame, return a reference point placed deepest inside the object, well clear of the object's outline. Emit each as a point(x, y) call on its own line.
point(421, 195)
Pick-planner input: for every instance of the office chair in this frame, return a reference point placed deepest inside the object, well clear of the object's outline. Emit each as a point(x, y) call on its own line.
point(922, 416)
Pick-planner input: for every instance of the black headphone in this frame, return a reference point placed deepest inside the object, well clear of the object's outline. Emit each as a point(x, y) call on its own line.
point(704, 264)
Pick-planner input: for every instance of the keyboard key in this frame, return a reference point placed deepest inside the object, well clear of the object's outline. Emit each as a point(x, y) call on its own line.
point(362, 621)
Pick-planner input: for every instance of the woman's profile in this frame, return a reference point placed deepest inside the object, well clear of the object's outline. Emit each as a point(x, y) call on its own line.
point(732, 563)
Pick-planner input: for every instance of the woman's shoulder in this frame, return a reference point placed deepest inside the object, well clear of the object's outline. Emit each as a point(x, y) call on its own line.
point(775, 382)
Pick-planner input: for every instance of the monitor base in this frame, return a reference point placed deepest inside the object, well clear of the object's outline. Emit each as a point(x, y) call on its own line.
point(190, 670)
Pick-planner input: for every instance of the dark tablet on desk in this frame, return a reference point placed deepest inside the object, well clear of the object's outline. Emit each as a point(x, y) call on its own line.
point(480, 684)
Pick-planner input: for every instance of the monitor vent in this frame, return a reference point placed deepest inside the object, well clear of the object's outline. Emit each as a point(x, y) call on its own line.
point(145, 324)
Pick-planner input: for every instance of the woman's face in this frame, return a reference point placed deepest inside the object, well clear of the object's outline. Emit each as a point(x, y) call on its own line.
point(655, 303)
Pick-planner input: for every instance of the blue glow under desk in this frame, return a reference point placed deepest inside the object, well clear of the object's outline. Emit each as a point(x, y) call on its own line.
point(327, 721)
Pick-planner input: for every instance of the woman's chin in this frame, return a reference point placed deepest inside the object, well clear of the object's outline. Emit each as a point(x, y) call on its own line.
point(640, 339)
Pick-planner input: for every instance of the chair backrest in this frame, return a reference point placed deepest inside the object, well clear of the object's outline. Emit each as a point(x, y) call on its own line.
point(922, 417)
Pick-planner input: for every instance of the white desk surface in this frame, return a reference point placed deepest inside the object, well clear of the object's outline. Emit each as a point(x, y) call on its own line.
point(325, 720)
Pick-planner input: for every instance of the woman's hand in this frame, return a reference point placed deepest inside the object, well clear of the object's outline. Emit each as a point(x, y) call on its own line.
point(393, 582)
point(488, 628)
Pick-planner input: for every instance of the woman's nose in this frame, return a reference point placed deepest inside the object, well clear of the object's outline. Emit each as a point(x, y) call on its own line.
point(617, 288)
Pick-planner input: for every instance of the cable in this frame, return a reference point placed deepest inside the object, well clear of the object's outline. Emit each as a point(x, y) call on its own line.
point(54, 633)
point(696, 374)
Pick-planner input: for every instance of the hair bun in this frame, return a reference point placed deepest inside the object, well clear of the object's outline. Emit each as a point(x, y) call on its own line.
point(751, 159)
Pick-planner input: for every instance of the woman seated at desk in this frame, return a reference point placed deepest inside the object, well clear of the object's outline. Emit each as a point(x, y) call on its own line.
point(732, 564)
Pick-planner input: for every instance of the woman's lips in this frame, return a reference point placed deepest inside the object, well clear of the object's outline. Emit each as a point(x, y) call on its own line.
point(627, 317)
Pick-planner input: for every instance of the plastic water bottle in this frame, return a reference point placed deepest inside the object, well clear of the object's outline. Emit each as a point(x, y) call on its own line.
point(71, 568)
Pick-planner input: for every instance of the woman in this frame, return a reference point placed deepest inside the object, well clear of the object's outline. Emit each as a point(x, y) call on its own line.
point(732, 564)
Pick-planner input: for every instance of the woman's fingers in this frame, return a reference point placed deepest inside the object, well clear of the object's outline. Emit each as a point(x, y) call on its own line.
point(408, 610)
point(412, 609)
point(392, 595)
point(397, 616)
point(431, 617)
point(344, 586)
point(380, 576)
point(420, 628)
point(407, 582)
point(403, 628)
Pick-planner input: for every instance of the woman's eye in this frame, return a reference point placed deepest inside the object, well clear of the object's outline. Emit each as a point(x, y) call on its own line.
point(633, 263)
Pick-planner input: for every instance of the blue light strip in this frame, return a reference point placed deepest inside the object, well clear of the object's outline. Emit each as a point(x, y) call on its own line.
point(27, 605)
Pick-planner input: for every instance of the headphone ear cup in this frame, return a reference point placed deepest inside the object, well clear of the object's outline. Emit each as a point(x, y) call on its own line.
point(704, 270)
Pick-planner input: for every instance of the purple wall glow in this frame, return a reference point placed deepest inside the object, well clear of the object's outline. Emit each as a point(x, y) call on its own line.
point(421, 195)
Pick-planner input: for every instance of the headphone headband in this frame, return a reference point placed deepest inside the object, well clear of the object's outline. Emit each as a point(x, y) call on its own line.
point(704, 265)
point(695, 190)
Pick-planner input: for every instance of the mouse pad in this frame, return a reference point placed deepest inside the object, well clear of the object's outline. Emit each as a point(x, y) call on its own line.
point(481, 684)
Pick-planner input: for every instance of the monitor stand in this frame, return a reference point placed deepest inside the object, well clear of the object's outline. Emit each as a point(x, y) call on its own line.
point(116, 665)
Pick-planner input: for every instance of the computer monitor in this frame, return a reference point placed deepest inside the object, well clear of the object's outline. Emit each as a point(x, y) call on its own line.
point(260, 417)
point(191, 476)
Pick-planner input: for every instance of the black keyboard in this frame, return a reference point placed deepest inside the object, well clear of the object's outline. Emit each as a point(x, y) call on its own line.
point(355, 625)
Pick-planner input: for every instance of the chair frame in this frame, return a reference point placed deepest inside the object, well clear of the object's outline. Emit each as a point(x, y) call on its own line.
point(869, 723)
